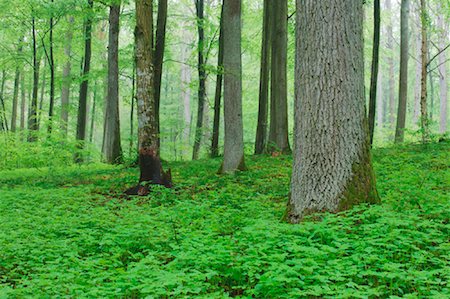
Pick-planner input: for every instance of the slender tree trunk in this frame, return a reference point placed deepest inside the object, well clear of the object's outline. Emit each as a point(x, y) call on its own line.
point(374, 72)
point(33, 116)
point(186, 92)
point(332, 166)
point(112, 149)
point(22, 101)
point(93, 112)
point(66, 78)
point(199, 5)
point(403, 77)
point(159, 57)
point(218, 93)
point(233, 156)
point(16, 91)
point(431, 93)
point(133, 98)
point(390, 46)
point(3, 120)
point(41, 98)
point(278, 131)
point(379, 101)
point(149, 161)
point(263, 106)
point(52, 77)
point(423, 84)
point(443, 88)
point(82, 104)
point(417, 78)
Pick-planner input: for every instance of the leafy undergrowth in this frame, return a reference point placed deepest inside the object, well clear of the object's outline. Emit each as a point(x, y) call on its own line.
point(69, 232)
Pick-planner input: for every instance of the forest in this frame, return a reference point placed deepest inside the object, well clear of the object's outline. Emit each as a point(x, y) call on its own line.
point(224, 149)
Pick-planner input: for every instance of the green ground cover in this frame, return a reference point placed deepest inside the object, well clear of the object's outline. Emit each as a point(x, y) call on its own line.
point(69, 232)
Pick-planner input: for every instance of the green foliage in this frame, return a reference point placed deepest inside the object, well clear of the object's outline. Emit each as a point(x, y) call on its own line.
point(70, 232)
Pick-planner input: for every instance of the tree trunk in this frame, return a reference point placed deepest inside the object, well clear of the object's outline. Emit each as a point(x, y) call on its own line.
point(52, 77)
point(159, 57)
point(218, 93)
point(390, 46)
point(374, 72)
point(199, 5)
point(133, 98)
point(22, 101)
point(33, 116)
point(149, 161)
point(403, 77)
point(16, 91)
point(233, 156)
point(380, 102)
point(112, 149)
point(82, 104)
point(3, 120)
point(186, 92)
point(94, 104)
point(423, 81)
point(66, 78)
point(332, 168)
point(417, 78)
point(443, 90)
point(261, 128)
point(41, 98)
point(278, 131)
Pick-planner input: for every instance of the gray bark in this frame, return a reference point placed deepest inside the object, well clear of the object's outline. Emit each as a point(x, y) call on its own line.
point(278, 131)
point(112, 149)
point(390, 46)
point(403, 77)
point(423, 84)
point(332, 168)
point(443, 88)
point(233, 156)
point(417, 78)
point(66, 78)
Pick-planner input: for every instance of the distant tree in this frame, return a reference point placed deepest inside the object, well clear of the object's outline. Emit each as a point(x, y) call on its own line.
point(263, 107)
point(151, 171)
point(22, 101)
point(82, 104)
point(233, 156)
point(66, 77)
point(391, 77)
point(278, 130)
point(332, 168)
point(199, 8)
point(443, 76)
point(33, 125)
point(374, 72)
point(112, 149)
point(403, 77)
point(16, 90)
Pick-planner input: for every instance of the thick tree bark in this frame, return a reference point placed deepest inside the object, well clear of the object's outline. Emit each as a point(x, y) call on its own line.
point(66, 78)
point(332, 168)
point(149, 161)
point(443, 88)
point(278, 131)
point(374, 72)
point(159, 57)
point(199, 5)
point(390, 46)
point(82, 104)
point(263, 106)
point(33, 116)
point(51, 63)
point(112, 149)
point(423, 81)
point(16, 91)
point(218, 93)
point(403, 77)
point(233, 156)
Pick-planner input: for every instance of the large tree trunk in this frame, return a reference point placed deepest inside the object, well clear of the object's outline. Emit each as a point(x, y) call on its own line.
point(374, 71)
point(66, 78)
point(199, 5)
point(16, 91)
point(133, 104)
point(233, 156)
point(278, 131)
point(423, 81)
point(82, 104)
point(112, 149)
point(218, 93)
point(390, 46)
point(149, 161)
point(403, 77)
point(443, 89)
point(159, 57)
point(263, 107)
point(52, 77)
point(33, 116)
point(332, 165)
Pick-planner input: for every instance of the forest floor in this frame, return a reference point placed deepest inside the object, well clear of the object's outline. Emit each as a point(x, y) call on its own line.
point(69, 232)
